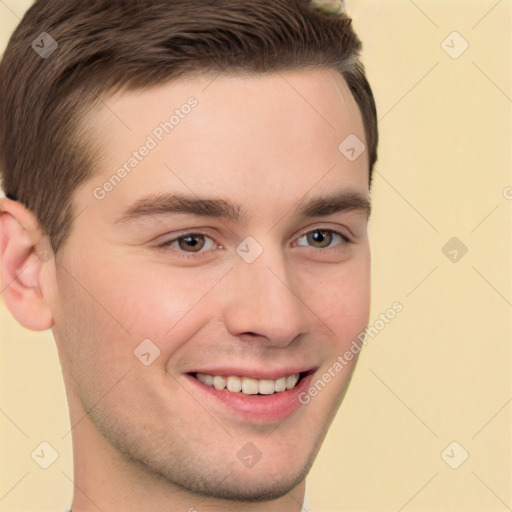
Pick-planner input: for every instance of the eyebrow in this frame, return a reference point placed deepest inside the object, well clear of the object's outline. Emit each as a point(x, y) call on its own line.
point(169, 203)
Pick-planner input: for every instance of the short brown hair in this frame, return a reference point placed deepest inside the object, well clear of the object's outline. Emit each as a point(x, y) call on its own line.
point(108, 45)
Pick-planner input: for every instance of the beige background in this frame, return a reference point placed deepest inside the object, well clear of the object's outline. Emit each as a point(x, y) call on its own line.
point(440, 371)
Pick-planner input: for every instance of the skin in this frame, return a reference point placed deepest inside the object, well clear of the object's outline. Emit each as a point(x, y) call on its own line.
point(151, 440)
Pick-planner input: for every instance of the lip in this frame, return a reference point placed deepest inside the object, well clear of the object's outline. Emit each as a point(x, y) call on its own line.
point(256, 408)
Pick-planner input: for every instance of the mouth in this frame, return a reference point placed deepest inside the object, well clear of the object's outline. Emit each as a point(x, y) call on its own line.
point(251, 386)
point(252, 399)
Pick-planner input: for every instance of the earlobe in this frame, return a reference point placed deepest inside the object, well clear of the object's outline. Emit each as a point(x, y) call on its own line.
point(24, 254)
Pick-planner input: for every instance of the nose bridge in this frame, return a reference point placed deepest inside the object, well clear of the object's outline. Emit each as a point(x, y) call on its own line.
point(263, 299)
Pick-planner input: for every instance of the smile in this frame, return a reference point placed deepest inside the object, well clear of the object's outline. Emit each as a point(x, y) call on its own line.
point(247, 385)
point(271, 398)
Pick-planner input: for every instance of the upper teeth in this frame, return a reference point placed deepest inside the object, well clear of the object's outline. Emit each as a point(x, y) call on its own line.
point(249, 386)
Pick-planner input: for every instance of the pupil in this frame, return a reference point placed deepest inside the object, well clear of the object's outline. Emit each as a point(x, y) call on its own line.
point(190, 241)
point(320, 237)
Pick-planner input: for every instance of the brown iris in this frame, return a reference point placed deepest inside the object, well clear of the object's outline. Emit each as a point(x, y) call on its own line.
point(191, 242)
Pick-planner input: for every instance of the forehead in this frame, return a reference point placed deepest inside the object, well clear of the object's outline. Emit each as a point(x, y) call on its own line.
point(260, 138)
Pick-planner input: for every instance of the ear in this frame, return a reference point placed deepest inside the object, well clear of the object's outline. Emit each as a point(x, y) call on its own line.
point(25, 255)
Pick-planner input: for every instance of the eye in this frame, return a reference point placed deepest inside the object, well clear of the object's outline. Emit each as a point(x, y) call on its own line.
point(200, 243)
point(190, 243)
point(322, 238)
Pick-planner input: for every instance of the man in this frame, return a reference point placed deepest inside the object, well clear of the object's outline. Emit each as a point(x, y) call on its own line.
point(187, 197)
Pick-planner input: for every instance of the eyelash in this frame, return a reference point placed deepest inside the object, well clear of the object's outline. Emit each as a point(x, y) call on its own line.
point(167, 244)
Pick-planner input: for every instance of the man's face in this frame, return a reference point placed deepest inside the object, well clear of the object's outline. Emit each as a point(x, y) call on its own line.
point(289, 300)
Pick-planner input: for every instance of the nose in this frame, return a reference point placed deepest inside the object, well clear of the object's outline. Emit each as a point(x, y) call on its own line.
point(263, 301)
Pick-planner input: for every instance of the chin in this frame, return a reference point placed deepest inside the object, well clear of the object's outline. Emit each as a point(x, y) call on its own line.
point(241, 485)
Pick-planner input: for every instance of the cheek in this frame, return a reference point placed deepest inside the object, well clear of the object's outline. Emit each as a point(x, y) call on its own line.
point(163, 303)
point(107, 309)
point(342, 302)
point(91, 330)
point(102, 318)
